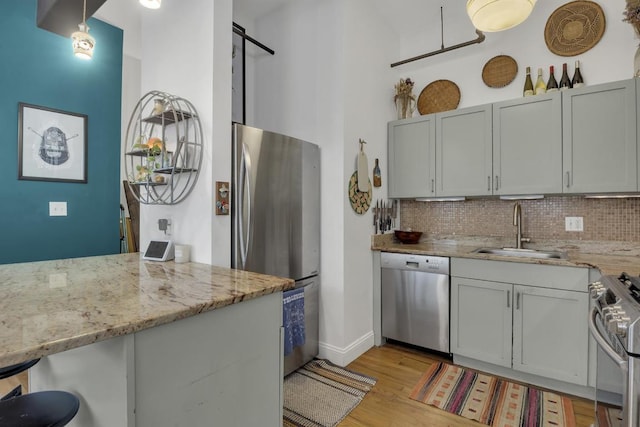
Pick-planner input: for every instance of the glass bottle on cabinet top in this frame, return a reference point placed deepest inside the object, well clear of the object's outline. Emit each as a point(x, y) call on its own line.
point(164, 140)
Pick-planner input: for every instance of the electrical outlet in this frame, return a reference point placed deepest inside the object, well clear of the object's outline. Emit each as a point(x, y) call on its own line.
point(573, 223)
point(57, 208)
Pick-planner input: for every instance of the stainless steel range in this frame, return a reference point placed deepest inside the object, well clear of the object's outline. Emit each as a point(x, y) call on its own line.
point(615, 325)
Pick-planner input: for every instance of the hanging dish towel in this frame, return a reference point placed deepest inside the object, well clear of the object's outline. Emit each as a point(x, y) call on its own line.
point(293, 319)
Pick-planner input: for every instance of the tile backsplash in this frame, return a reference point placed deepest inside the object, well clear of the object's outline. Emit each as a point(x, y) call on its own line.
point(544, 219)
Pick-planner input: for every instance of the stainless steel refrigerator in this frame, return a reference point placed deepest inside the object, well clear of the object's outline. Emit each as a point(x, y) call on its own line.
point(275, 209)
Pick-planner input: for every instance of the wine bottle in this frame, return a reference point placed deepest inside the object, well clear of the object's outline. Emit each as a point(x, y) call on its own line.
point(377, 176)
point(541, 87)
point(528, 84)
point(577, 80)
point(552, 84)
point(565, 82)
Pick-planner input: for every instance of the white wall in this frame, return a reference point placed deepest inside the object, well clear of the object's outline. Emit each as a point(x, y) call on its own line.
point(368, 48)
point(186, 52)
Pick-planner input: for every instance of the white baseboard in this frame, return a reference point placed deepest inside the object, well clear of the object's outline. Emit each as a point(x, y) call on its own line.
point(346, 355)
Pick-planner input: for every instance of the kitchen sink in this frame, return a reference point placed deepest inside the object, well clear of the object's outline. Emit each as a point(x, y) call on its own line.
point(522, 253)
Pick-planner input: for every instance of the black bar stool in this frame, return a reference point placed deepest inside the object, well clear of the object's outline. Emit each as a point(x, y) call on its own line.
point(39, 409)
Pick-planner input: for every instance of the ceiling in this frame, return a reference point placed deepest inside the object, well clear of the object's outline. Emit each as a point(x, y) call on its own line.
point(63, 16)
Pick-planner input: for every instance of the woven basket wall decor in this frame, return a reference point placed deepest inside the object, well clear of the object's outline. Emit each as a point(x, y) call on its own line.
point(438, 96)
point(499, 71)
point(574, 28)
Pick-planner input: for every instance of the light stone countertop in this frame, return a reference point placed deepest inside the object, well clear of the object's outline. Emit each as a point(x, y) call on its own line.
point(48, 307)
point(611, 258)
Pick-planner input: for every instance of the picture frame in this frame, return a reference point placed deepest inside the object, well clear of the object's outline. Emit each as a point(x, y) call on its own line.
point(52, 144)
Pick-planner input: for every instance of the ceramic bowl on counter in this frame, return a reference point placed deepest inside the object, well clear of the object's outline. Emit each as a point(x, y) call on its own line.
point(410, 237)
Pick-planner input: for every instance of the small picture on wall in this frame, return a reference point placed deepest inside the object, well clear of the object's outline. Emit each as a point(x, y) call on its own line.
point(52, 144)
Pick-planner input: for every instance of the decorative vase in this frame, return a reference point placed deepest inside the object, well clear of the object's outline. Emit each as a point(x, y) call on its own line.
point(406, 105)
point(636, 63)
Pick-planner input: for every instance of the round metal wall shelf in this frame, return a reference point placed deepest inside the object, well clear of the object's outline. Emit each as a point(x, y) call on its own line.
point(164, 149)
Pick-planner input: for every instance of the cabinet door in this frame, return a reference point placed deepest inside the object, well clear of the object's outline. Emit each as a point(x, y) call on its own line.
point(527, 145)
point(412, 157)
point(599, 138)
point(464, 152)
point(550, 336)
point(481, 320)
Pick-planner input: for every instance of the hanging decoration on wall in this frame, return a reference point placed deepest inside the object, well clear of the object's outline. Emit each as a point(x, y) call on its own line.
point(499, 71)
point(439, 96)
point(360, 184)
point(574, 28)
point(360, 200)
point(364, 184)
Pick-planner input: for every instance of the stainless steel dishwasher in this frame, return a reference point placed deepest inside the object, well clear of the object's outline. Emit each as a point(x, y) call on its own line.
point(415, 300)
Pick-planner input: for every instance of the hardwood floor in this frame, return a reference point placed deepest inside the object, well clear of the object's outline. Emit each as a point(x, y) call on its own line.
point(398, 369)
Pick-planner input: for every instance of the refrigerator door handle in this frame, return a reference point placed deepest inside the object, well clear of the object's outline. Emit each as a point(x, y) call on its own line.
point(245, 174)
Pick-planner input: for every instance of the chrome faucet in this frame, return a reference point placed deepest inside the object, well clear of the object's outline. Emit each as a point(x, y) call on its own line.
point(517, 221)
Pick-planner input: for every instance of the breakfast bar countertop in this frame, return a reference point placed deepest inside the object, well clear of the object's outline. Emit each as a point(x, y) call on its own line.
point(610, 258)
point(48, 307)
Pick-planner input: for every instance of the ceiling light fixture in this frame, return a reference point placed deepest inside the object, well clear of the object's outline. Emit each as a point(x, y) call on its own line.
point(82, 42)
point(498, 15)
point(151, 4)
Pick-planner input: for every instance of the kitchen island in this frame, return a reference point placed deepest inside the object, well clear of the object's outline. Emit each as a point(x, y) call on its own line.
point(147, 344)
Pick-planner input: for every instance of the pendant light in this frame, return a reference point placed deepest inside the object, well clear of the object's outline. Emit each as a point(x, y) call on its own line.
point(82, 42)
point(151, 4)
point(497, 15)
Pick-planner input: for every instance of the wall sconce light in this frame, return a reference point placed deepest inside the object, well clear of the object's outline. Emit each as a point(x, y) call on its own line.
point(151, 4)
point(497, 15)
point(81, 41)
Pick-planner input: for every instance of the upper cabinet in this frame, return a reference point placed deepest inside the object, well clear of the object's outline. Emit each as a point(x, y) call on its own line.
point(599, 138)
point(463, 152)
point(527, 145)
point(412, 157)
point(580, 141)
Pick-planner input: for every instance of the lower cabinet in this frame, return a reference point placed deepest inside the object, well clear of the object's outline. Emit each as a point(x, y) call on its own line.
point(540, 330)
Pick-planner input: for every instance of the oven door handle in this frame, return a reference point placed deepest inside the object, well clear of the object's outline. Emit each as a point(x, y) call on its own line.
point(602, 342)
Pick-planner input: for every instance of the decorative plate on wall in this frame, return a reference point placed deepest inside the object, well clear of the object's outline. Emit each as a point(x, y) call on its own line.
point(574, 28)
point(360, 200)
point(438, 96)
point(499, 71)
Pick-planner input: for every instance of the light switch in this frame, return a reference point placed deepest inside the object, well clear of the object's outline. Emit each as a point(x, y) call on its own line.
point(57, 208)
point(573, 223)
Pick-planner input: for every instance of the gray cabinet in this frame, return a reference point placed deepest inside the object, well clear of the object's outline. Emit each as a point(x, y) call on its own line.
point(599, 138)
point(527, 317)
point(527, 145)
point(412, 157)
point(556, 318)
point(464, 152)
point(481, 320)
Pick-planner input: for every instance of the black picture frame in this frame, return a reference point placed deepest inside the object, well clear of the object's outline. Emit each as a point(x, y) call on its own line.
point(52, 144)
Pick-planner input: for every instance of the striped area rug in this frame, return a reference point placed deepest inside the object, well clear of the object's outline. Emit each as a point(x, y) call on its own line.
point(321, 394)
point(490, 400)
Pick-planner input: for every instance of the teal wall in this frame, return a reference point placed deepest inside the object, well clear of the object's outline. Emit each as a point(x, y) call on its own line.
point(38, 67)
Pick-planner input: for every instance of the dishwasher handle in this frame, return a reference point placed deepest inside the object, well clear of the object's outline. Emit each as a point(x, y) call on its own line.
point(413, 262)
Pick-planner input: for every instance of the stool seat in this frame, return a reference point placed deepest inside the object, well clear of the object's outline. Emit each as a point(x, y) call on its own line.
point(39, 409)
point(9, 371)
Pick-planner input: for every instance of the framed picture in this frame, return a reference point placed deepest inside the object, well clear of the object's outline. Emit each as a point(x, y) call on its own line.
point(52, 144)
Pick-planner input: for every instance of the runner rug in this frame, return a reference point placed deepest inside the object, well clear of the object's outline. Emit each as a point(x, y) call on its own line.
point(490, 400)
point(321, 394)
